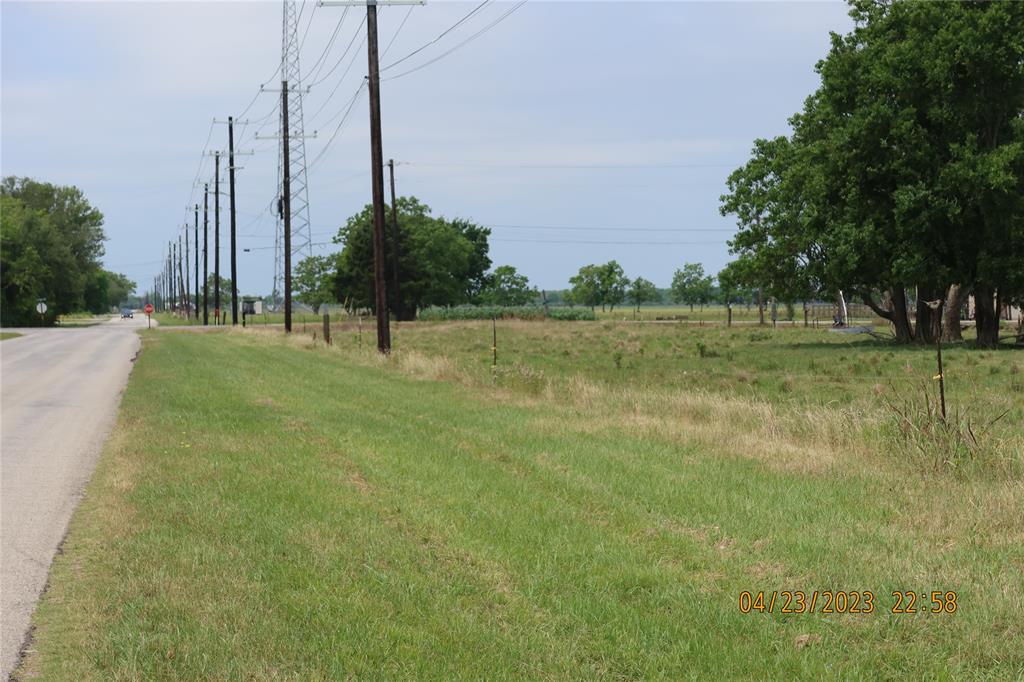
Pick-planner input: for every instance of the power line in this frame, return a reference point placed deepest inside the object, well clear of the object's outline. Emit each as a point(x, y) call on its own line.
point(441, 35)
point(341, 124)
point(613, 228)
point(619, 243)
point(465, 42)
point(309, 25)
point(341, 80)
point(317, 65)
point(564, 166)
point(316, 80)
point(399, 30)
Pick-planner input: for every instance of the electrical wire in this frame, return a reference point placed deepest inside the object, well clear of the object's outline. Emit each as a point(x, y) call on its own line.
point(338, 84)
point(587, 241)
point(309, 24)
point(565, 166)
point(399, 30)
point(318, 64)
point(465, 42)
point(318, 81)
point(341, 124)
point(613, 228)
point(441, 35)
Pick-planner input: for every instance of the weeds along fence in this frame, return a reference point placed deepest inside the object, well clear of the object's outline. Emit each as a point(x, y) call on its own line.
point(504, 313)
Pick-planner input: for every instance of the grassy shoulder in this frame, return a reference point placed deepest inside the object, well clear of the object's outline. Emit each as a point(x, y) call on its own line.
point(8, 335)
point(270, 507)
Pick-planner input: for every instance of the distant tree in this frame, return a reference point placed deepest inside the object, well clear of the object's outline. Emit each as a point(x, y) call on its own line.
point(119, 290)
point(586, 286)
point(507, 287)
point(614, 284)
point(442, 262)
point(690, 285)
point(314, 281)
point(225, 294)
point(600, 285)
point(642, 291)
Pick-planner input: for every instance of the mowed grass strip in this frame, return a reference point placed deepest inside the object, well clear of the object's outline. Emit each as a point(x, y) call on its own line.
point(269, 511)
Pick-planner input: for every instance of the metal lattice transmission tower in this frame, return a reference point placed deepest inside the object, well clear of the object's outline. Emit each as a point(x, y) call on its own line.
point(302, 240)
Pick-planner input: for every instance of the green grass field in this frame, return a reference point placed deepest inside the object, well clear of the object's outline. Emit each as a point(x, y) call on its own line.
point(8, 335)
point(272, 508)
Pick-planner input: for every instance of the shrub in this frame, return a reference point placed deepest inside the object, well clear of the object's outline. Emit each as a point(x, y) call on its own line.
point(704, 351)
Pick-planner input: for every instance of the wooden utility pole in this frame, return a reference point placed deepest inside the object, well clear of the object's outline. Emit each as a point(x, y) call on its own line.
point(286, 209)
point(181, 278)
point(231, 184)
point(206, 255)
point(376, 162)
point(170, 276)
point(185, 277)
point(395, 248)
point(377, 184)
point(196, 259)
point(216, 237)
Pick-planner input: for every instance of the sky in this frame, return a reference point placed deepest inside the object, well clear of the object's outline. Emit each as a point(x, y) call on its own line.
point(580, 132)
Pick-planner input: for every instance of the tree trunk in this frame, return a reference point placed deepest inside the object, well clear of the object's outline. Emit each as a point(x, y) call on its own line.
point(928, 320)
point(894, 310)
point(951, 312)
point(986, 317)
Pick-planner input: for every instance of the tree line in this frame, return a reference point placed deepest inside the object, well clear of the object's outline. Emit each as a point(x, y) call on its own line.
point(903, 177)
point(51, 242)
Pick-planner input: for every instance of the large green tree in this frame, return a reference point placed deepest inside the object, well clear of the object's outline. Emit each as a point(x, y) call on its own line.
point(904, 169)
point(51, 242)
point(441, 262)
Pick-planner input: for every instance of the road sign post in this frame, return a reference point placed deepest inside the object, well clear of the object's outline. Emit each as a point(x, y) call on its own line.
point(41, 309)
point(149, 311)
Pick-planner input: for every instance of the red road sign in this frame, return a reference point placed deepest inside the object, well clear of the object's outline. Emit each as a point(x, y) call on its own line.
point(149, 308)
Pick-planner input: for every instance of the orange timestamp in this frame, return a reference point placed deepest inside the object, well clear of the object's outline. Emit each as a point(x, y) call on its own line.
point(842, 601)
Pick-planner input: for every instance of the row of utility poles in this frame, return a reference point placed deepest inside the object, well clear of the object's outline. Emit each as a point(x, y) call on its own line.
point(167, 286)
point(171, 286)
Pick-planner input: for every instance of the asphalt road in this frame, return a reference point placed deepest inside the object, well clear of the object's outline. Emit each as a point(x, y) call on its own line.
point(59, 392)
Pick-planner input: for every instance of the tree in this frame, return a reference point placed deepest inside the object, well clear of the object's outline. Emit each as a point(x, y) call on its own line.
point(442, 262)
point(600, 285)
point(905, 168)
point(51, 241)
point(314, 281)
point(642, 291)
point(119, 290)
point(225, 294)
point(690, 285)
point(585, 287)
point(506, 287)
point(614, 283)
